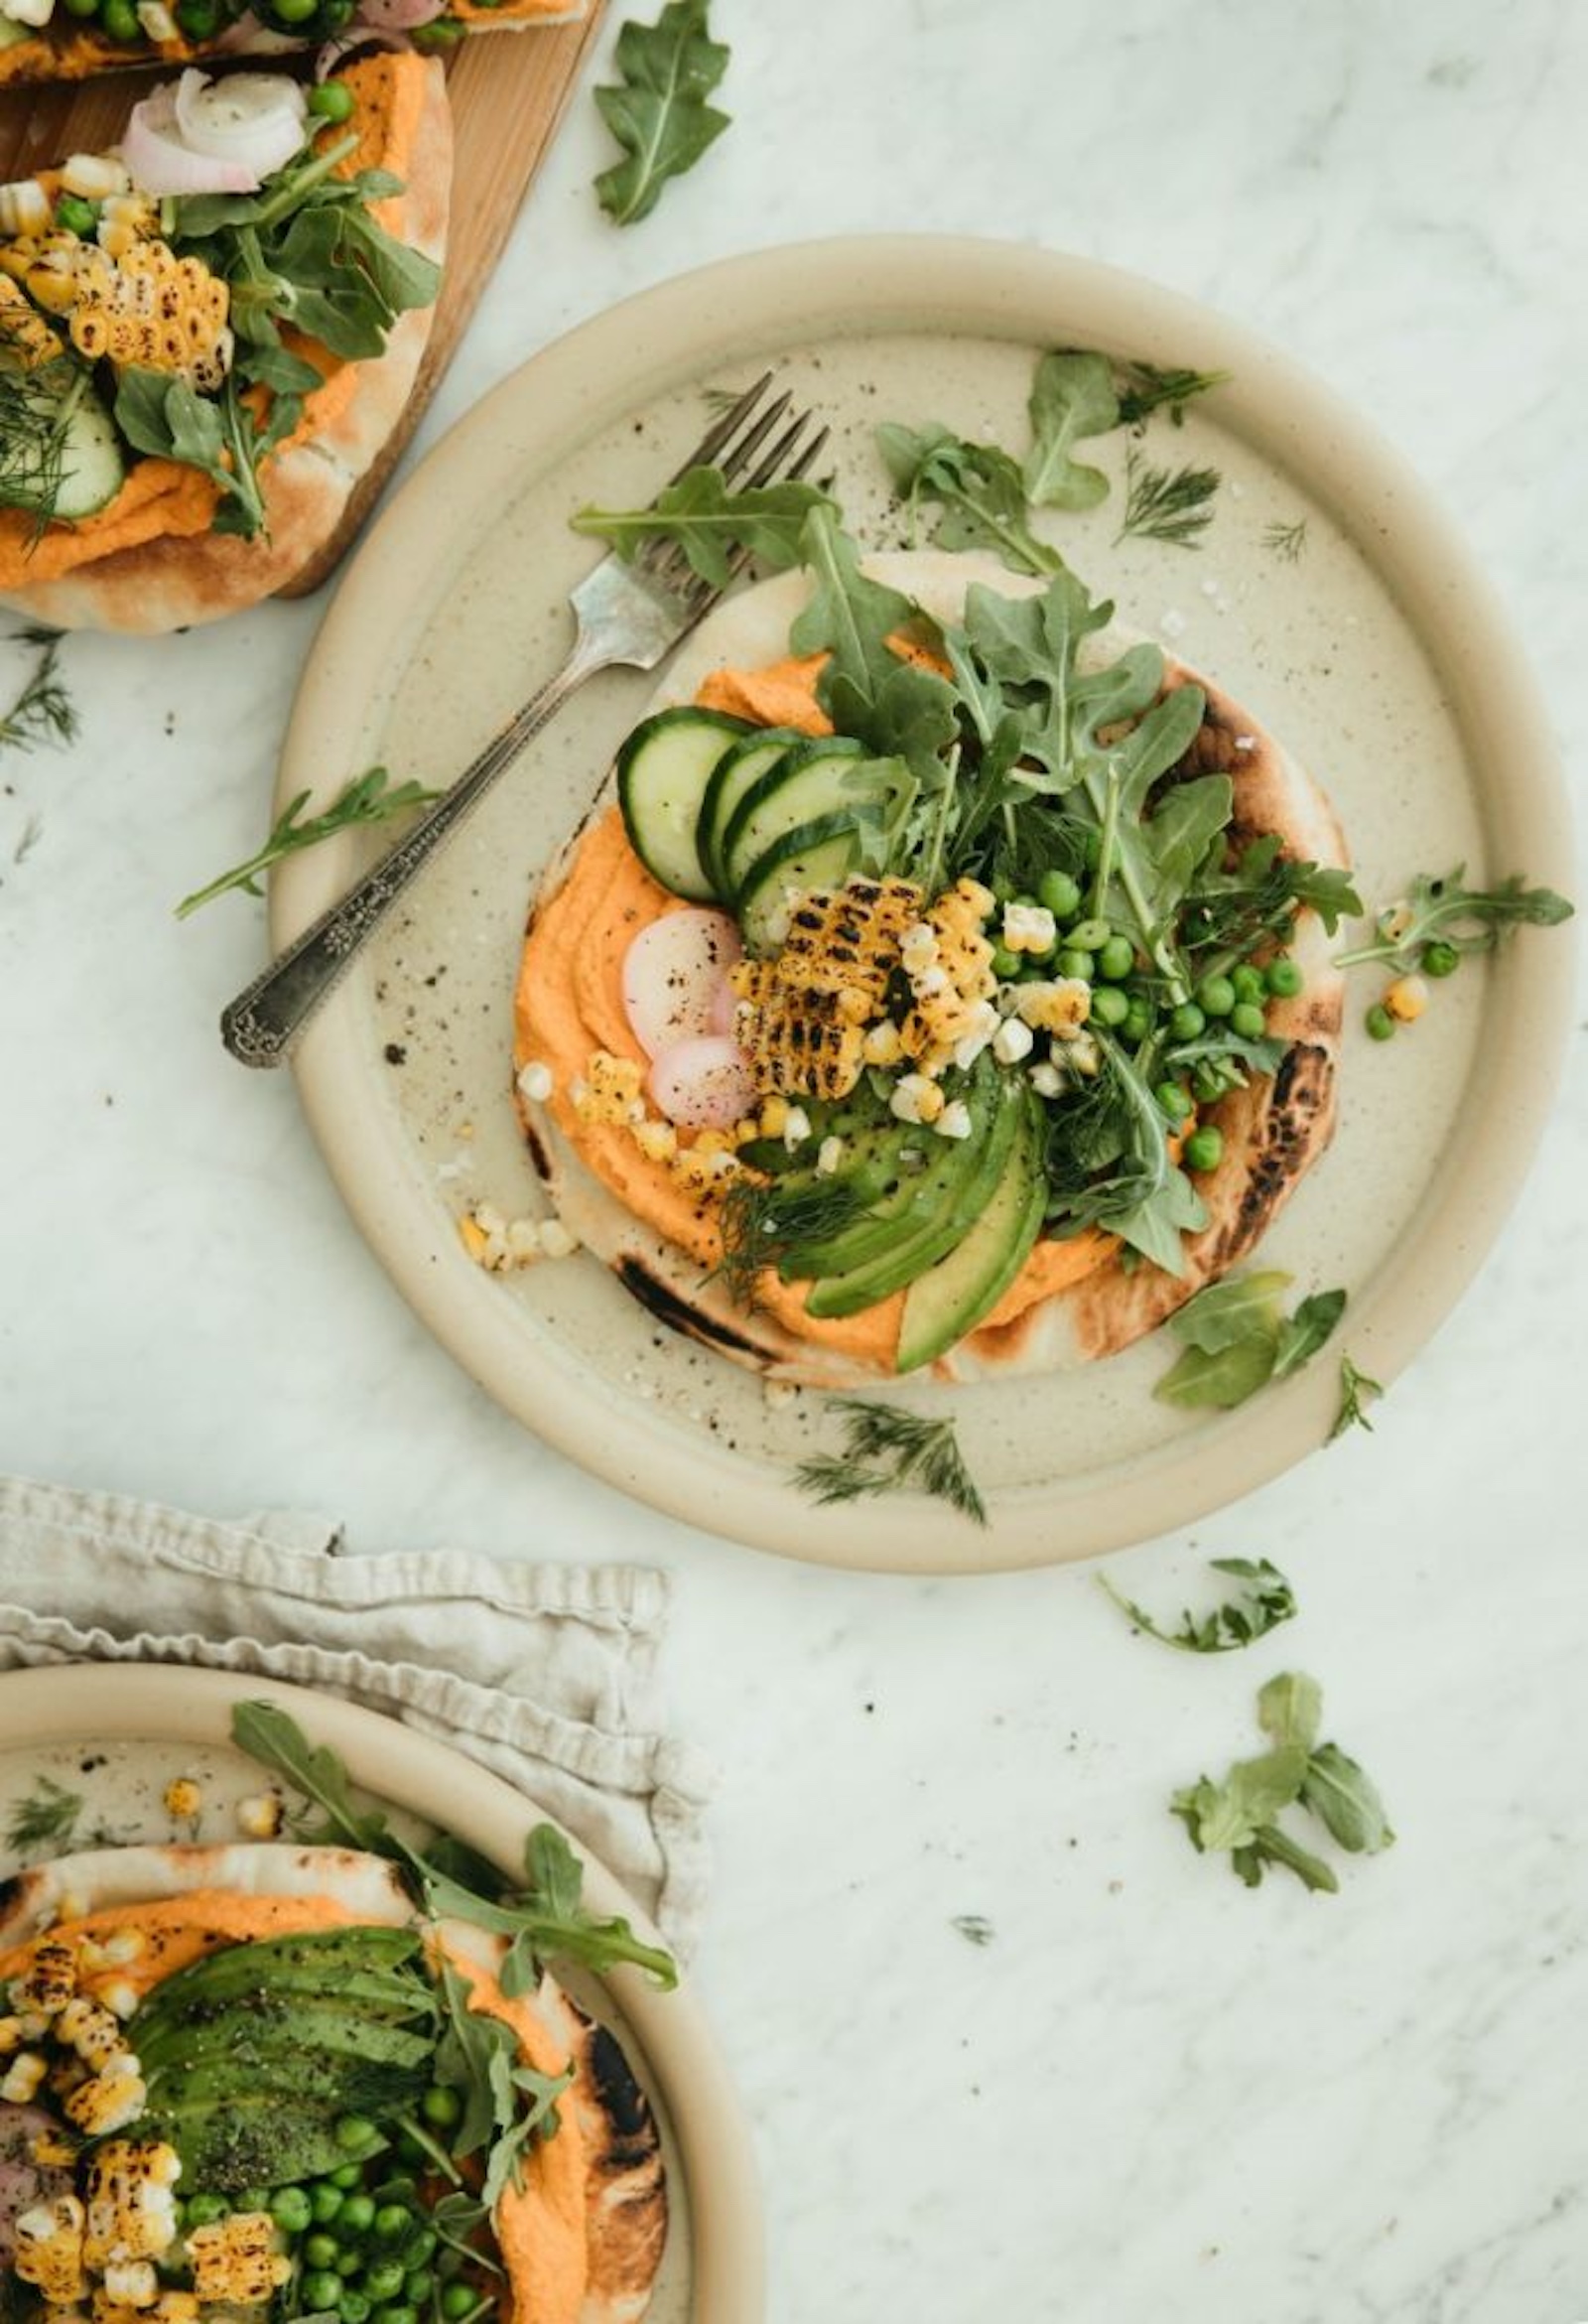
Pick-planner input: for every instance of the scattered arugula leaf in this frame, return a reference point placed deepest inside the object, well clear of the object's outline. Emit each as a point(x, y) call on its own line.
point(887, 1450)
point(1232, 912)
point(365, 799)
point(1264, 1601)
point(42, 710)
point(658, 111)
point(48, 1817)
point(506, 2104)
point(1356, 1389)
point(1240, 1815)
point(1467, 920)
point(977, 489)
point(1145, 388)
point(707, 521)
point(1167, 504)
point(1072, 396)
point(544, 1920)
point(1237, 1339)
point(1286, 541)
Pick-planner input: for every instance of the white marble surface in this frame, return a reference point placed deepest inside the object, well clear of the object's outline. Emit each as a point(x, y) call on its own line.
point(1150, 2093)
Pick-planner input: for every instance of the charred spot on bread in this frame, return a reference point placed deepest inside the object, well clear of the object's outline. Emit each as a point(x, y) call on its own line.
point(669, 1307)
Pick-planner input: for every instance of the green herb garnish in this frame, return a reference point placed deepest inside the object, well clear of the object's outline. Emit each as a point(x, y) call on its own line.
point(1460, 919)
point(1072, 396)
point(1167, 504)
point(43, 711)
point(978, 490)
point(707, 521)
point(1264, 1601)
point(507, 2104)
point(1240, 1815)
point(1145, 388)
point(1238, 1338)
point(658, 112)
point(1355, 1390)
point(887, 1450)
point(48, 1817)
point(1286, 541)
point(366, 799)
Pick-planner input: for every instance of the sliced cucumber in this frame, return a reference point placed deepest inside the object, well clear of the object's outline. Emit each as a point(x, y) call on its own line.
point(810, 780)
point(662, 772)
point(819, 854)
point(740, 764)
point(68, 473)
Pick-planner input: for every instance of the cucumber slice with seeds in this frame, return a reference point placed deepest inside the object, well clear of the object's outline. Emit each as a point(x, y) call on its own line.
point(742, 764)
point(810, 780)
point(662, 774)
point(819, 854)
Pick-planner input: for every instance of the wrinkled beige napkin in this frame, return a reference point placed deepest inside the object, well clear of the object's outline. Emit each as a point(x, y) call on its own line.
point(545, 1674)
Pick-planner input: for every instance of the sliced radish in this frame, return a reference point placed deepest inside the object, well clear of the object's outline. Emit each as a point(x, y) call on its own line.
point(675, 979)
point(704, 1084)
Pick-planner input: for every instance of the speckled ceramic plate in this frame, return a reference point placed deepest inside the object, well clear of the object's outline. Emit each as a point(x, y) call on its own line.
point(1327, 595)
point(111, 1738)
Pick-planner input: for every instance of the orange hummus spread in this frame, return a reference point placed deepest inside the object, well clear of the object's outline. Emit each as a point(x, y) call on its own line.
point(569, 1004)
point(164, 499)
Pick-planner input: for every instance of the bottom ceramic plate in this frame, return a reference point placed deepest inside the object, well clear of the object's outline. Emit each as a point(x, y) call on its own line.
point(1325, 595)
point(115, 1737)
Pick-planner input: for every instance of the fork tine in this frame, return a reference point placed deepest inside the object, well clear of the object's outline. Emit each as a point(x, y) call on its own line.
point(716, 436)
point(773, 465)
point(732, 464)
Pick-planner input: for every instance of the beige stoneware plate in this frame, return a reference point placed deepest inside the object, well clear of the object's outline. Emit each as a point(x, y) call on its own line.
point(1367, 641)
point(116, 1735)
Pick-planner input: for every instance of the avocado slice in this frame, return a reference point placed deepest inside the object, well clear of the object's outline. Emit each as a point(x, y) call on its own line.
point(924, 1175)
point(952, 1297)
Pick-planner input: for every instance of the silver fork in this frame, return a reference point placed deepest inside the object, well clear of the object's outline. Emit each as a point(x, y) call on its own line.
point(624, 613)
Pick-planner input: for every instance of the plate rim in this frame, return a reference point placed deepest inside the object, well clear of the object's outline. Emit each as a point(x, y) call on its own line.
point(997, 289)
point(157, 1703)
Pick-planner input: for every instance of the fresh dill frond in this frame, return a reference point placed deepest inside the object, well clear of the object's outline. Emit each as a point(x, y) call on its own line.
point(1286, 541)
point(49, 1815)
point(759, 1220)
point(1145, 388)
point(368, 799)
point(887, 1450)
point(1167, 504)
point(43, 711)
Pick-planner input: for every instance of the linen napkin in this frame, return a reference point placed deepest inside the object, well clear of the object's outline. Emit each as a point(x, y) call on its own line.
point(546, 1674)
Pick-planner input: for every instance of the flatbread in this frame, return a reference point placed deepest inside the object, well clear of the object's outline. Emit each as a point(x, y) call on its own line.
point(170, 583)
point(605, 2184)
point(1274, 1130)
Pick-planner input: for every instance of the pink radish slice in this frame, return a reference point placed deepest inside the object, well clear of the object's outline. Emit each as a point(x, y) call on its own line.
point(702, 1084)
point(675, 979)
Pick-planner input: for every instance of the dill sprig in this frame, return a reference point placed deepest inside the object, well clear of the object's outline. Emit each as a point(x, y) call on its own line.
point(43, 711)
point(49, 1814)
point(368, 799)
point(759, 1221)
point(1145, 388)
point(1286, 541)
point(1167, 504)
point(887, 1450)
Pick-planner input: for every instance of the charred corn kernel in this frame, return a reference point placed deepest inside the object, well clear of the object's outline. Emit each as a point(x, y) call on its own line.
point(610, 1089)
point(131, 2204)
point(91, 2029)
point(774, 1116)
point(235, 2259)
point(25, 208)
point(715, 1142)
point(49, 2249)
point(23, 330)
point(23, 2078)
point(657, 1140)
point(473, 1238)
point(1028, 927)
point(557, 1241)
point(126, 221)
point(703, 1173)
point(52, 2149)
point(1406, 999)
point(1079, 1053)
point(11, 2035)
point(916, 1098)
point(95, 177)
point(125, 1945)
point(174, 2307)
point(883, 1043)
point(1060, 1005)
point(132, 2283)
point(1013, 1040)
point(147, 307)
point(105, 2310)
point(981, 1022)
point(119, 1996)
point(797, 1128)
point(111, 2099)
point(803, 1014)
point(260, 1814)
point(184, 1799)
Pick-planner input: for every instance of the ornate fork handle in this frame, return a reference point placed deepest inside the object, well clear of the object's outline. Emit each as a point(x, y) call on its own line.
point(261, 1026)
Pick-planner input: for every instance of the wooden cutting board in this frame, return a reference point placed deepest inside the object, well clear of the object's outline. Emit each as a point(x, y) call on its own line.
point(508, 93)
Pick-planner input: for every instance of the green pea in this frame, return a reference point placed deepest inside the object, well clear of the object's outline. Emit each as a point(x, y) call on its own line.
point(199, 19)
point(1379, 1024)
point(1006, 964)
point(82, 7)
point(1247, 982)
point(384, 2280)
point(391, 2220)
point(420, 2248)
point(354, 2131)
point(1175, 1099)
point(320, 2250)
point(418, 2284)
point(205, 2210)
point(1110, 1005)
point(1138, 1022)
point(1075, 963)
point(291, 11)
point(1089, 935)
point(1116, 959)
point(350, 2260)
point(1283, 977)
point(397, 2313)
point(291, 2210)
point(347, 2174)
point(332, 100)
point(1203, 1148)
point(442, 2105)
point(1187, 1022)
point(1061, 893)
point(353, 2306)
point(319, 2290)
point(457, 2299)
point(1092, 845)
point(357, 2214)
point(1440, 959)
point(75, 215)
point(1248, 1021)
point(432, 39)
point(325, 2201)
point(1210, 1081)
point(1216, 996)
point(120, 20)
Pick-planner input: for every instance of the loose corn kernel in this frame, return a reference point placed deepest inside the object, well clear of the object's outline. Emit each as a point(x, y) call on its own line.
point(49, 2249)
point(954, 1121)
point(657, 1140)
point(916, 1098)
point(1028, 927)
point(114, 2098)
point(23, 2078)
point(260, 1814)
point(184, 1799)
point(49, 1979)
point(828, 1156)
point(132, 2283)
point(235, 2259)
point(91, 2029)
point(1406, 999)
point(883, 1044)
point(1060, 1005)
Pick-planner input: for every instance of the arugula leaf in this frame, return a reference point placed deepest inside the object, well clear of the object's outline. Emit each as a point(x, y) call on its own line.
point(1231, 913)
point(170, 420)
point(976, 487)
point(315, 1772)
point(1467, 920)
point(1355, 1390)
point(1072, 396)
point(506, 2104)
point(1237, 1339)
point(1289, 1711)
point(1264, 1601)
point(1344, 1797)
point(888, 1452)
point(368, 799)
point(658, 112)
point(707, 521)
point(1240, 1815)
